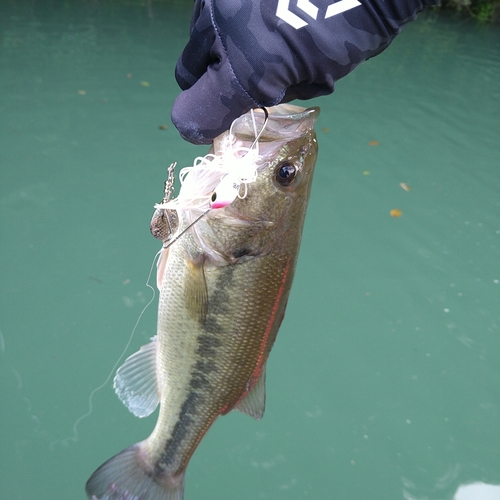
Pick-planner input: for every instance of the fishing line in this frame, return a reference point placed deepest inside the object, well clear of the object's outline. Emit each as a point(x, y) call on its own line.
point(38, 428)
point(168, 189)
point(170, 243)
point(255, 144)
point(74, 437)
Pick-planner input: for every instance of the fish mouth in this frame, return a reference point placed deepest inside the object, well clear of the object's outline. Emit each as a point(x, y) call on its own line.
point(284, 122)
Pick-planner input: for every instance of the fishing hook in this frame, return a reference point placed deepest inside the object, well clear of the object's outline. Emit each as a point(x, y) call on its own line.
point(266, 119)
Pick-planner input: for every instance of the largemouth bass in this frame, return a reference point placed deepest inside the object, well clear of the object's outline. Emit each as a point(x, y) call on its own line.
point(231, 241)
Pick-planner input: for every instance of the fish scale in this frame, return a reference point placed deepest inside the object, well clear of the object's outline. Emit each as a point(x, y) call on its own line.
point(225, 275)
point(235, 354)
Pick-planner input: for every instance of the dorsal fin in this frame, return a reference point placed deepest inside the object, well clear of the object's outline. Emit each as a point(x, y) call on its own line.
point(136, 381)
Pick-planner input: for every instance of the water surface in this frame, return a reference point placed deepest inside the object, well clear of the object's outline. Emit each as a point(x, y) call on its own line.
point(384, 381)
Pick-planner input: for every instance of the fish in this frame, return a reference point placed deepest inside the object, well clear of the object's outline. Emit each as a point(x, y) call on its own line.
point(230, 242)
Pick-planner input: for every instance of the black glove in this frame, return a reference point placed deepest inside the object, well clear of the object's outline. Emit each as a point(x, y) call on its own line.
point(249, 53)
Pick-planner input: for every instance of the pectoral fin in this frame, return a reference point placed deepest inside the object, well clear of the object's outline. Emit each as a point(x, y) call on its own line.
point(136, 381)
point(254, 402)
point(195, 290)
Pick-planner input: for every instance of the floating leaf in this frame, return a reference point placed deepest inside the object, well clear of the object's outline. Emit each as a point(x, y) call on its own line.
point(373, 143)
point(405, 186)
point(144, 84)
point(395, 212)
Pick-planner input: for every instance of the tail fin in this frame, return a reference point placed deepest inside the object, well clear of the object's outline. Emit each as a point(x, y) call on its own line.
point(126, 476)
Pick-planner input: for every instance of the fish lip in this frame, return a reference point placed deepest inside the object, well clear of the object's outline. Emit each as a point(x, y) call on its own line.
point(285, 122)
point(231, 215)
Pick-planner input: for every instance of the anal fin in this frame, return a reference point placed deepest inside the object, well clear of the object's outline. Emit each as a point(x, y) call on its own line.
point(254, 403)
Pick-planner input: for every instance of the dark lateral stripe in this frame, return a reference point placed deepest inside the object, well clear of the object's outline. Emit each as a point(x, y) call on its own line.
point(180, 431)
point(207, 345)
point(208, 342)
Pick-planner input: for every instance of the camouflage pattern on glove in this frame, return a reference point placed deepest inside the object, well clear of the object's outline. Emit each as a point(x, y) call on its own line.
point(248, 53)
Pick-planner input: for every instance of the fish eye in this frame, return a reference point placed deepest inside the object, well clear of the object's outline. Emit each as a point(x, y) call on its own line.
point(285, 173)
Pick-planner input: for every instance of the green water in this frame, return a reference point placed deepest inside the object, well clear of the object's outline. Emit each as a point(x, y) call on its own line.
point(385, 379)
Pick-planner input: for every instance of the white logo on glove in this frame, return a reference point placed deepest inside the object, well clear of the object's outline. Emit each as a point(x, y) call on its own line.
point(311, 10)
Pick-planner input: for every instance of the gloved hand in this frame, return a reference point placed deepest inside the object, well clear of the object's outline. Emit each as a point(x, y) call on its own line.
point(249, 53)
